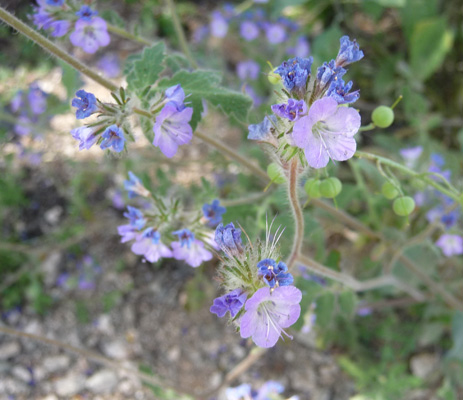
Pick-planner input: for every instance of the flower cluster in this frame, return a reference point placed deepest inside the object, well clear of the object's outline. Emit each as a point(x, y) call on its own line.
point(312, 117)
point(89, 31)
point(158, 220)
point(269, 390)
point(442, 209)
point(259, 293)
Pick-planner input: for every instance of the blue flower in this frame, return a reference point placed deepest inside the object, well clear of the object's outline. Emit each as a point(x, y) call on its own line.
point(135, 186)
point(86, 136)
point(37, 99)
point(185, 237)
point(86, 13)
point(231, 302)
point(228, 238)
point(349, 52)
point(113, 137)
point(262, 131)
point(136, 217)
point(85, 104)
point(339, 91)
point(55, 3)
point(213, 213)
point(329, 72)
point(295, 73)
point(293, 110)
point(274, 275)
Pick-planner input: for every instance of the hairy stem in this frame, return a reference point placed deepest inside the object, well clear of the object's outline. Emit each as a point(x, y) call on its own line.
point(127, 35)
point(180, 33)
point(297, 212)
point(49, 46)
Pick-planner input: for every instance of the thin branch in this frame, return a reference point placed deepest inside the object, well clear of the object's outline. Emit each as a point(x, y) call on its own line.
point(127, 35)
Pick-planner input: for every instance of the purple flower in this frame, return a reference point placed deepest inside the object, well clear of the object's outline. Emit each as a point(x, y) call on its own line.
point(55, 3)
point(232, 302)
point(150, 246)
point(90, 35)
point(450, 245)
point(268, 390)
point(241, 392)
point(185, 237)
point(274, 275)
point(128, 232)
point(268, 312)
point(411, 155)
point(248, 69)
point(194, 255)
point(23, 126)
point(364, 311)
point(228, 238)
point(262, 131)
point(172, 128)
point(293, 110)
point(275, 33)
point(339, 91)
point(256, 99)
point(218, 25)
point(86, 136)
point(37, 99)
point(295, 72)
point(249, 30)
point(110, 65)
point(85, 104)
point(86, 13)
point(349, 52)
point(301, 49)
point(213, 213)
point(136, 217)
point(60, 28)
point(327, 132)
point(135, 186)
point(113, 137)
point(329, 72)
point(200, 33)
point(17, 102)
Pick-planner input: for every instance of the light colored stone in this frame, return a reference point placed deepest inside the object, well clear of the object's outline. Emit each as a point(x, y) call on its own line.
point(422, 365)
point(50, 268)
point(116, 349)
point(9, 350)
point(21, 373)
point(105, 325)
point(102, 381)
point(70, 385)
point(173, 354)
point(11, 387)
point(53, 215)
point(53, 364)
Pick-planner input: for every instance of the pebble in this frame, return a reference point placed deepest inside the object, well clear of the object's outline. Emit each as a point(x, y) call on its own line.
point(50, 268)
point(116, 349)
point(21, 373)
point(70, 385)
point(57, 363)
point(422, 365)
point(53, 215)
point(102, 381)
point(9, 350)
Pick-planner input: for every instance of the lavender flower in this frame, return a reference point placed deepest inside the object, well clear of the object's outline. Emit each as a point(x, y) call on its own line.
point(262, 131)
point(327, 132)
point(23, 126)
point(55, 3)
point(301, 49)
point(411, 155)
point(328, 73)
point(110, 65)
point(86, 13)
point(136, 217)
point(241, 392)
point(293, 110)
point(172, 128)
point(451, 245)
point(37, 99)
point(295, 73)
point(249, 30)
point(228, 238)
point(339, 91)
point(268, 313)
point(349, 52)
point(269, 389)
point(213, 213)
point(248, 69)
point(218, 25)
point(85, 104)
point(135, 186)
point(86, 136)
point(113, 137)
point(274, 275)
point(150, 246)
point(275, 33)
point(17, 102)
point(231, 302)
point(90, 35)
point(128, 232)
point(185, 237)
point(194, 255)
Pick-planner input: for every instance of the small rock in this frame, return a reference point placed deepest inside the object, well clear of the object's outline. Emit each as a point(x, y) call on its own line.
point(116, 349)
point(50, 268)
point(53, 364)
point(173, 354)
point(215, 380)
point(70, 385)
point(422, 365)
point(50, 397)
point(9, 350)
point(53, 215)
point(21, 373)
point(102, 381)
point(11, 387)
point(105, 325)
point(126, 388)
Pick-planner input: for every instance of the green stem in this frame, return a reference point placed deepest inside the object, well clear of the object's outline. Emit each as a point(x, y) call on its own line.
point(297, 212)
point(368, 127)
point(180, 33)
point(49, 46)
point(127, 35)
point(407, 171)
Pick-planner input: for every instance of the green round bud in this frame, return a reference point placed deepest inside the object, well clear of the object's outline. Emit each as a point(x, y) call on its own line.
point(273, 78)
point(312, 188)
point(389, 191)
point(418, 184)
point(274, 173)
point(383, 116)
point(403, 206)
point(330, 187)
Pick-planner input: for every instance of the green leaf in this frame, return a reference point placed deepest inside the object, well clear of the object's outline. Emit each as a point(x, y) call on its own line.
point(430, 42)
point(391, 3)
point(176, 62)
point(145, 70)
point(347, 301)
point(325, 309)
point(199, 85)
